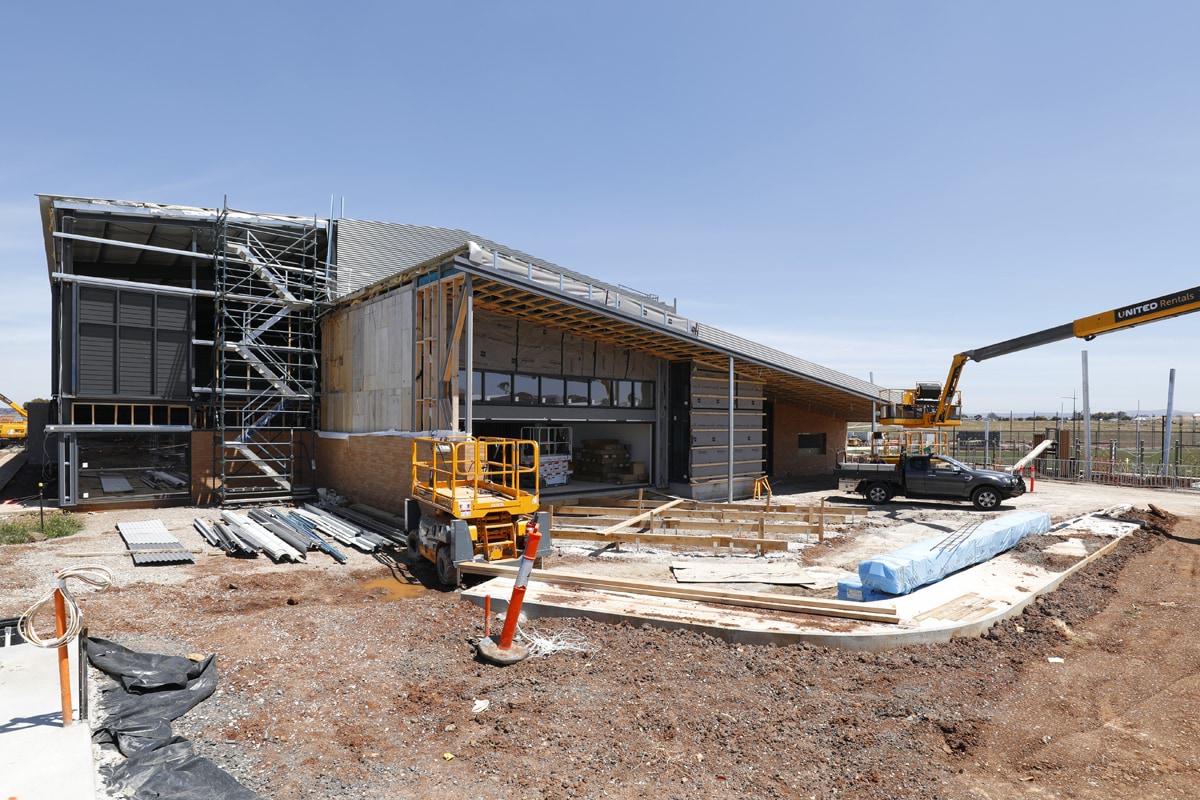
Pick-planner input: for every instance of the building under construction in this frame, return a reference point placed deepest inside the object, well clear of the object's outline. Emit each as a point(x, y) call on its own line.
point(214, 356)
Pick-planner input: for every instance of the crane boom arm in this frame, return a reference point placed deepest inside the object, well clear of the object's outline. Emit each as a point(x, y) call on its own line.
point(1164, 307)
point(16, 407)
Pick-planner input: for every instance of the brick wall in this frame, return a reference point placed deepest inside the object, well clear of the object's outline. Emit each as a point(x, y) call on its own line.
point(205, 482)
point(376, 470)
point(791, 421)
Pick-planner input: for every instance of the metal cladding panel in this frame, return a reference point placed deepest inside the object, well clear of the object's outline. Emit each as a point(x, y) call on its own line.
point(135, 370)
point(177, 557)
point(97, 359)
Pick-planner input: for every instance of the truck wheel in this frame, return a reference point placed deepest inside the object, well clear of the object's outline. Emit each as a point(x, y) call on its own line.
point(446, 571)
point(878, 493)
point(985, 498)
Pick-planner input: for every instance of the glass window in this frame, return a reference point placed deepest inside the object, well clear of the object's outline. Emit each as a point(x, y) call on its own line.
point(577, 393)
point(623, 394)
point(643, 394)
point(476, 386)
point(525, 389)
point(601, 392)
point(497, 387)
point(811, 444)
point(553, 391)
point(127, 466)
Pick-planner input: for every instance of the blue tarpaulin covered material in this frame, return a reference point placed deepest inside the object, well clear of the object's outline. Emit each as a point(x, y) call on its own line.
point(903, 570)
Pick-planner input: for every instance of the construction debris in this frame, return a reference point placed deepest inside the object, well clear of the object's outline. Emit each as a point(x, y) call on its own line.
point(150, 542)
point(776, 602)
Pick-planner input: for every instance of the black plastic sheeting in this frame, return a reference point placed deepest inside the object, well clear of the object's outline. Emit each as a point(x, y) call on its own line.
point(151, 691)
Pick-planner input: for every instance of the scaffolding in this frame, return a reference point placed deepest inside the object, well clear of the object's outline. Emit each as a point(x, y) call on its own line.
point(270, 284)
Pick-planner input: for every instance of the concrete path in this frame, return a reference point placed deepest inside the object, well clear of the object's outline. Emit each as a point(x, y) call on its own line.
point(40, 759)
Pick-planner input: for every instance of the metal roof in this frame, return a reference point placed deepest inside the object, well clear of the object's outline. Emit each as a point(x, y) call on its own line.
point(370, 256)
point(368, 252)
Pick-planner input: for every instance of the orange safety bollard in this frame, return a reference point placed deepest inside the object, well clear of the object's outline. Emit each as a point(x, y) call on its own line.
point(64, 664)
point(505, 651)
point(1032, 478)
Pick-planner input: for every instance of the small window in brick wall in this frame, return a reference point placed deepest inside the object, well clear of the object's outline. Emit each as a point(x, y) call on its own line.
point(811, 444)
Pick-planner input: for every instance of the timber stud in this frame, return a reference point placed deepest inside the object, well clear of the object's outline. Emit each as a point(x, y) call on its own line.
point(505, 651)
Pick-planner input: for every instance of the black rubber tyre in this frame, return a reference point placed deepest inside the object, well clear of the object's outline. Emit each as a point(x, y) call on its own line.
point(878, 493)
point(446, 571)
point(986, 498)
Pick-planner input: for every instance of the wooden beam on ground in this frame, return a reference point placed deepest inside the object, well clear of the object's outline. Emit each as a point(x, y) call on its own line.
point(642, 516)
point(687, 513)
point(847, 512)
point(794, 528)
point(774, 602)
point(682, 540)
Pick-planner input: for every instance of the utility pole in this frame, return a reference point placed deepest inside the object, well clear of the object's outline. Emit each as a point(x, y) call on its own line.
point(1087, 423)
point(1166, 443)
point(874, 416)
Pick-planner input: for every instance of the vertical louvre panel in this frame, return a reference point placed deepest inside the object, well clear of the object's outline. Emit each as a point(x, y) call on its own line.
point(97, 306)
point(135, 373)
point(171, 364)
point(97, 358)
point(173, 313)
point(137, 310)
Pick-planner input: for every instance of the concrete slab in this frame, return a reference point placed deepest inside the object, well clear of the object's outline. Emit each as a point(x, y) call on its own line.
point(966, 603)
point(40, 759)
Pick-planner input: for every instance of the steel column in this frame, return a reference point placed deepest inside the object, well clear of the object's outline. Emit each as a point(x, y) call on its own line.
point(732, 401)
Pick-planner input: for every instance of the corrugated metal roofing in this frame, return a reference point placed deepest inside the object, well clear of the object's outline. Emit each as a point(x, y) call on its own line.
point(369, 252)
point(731, 342)
point(151, 543)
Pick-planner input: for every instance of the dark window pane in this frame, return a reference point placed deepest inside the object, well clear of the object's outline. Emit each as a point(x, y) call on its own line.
point(645, 394)
point(601, 393)
point(525, 389)
point(624, 394)
point(497, 387)
point(553, 391)
point(577, 393)
point(811, 444)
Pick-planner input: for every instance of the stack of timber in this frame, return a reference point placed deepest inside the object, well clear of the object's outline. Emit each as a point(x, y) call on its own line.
point(760, 600)
point(606, 461)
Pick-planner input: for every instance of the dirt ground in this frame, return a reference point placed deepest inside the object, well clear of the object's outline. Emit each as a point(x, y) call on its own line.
point(360, 681)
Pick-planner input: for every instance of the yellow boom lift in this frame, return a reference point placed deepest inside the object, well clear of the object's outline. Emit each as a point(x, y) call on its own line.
point(14, 431)
point(932, 405)
point(473, 498)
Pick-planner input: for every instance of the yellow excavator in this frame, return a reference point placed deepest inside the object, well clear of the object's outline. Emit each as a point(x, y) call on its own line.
point(932, 405)
point(14, 430)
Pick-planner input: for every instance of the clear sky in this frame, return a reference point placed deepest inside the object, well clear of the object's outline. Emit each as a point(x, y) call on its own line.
point(872, 186)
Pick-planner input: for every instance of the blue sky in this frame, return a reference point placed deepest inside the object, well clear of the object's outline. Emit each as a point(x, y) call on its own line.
point(872, 186)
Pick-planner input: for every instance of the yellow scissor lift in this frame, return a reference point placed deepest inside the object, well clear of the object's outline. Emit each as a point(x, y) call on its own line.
point(468, 502)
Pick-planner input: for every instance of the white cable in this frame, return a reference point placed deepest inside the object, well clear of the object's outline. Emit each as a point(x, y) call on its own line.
point(94, 575)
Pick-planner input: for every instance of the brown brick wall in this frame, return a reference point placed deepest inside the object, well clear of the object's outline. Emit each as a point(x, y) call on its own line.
point(791, 421)
point(205, 482)
point(376, 470)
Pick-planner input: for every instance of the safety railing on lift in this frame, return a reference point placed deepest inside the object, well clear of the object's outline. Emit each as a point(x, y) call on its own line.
point(470, 477)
